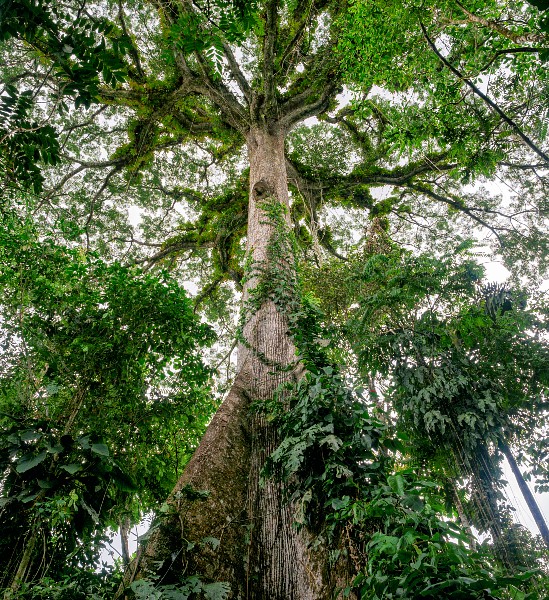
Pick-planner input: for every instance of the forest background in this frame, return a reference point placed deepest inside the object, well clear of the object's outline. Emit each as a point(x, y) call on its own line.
point(339, 171)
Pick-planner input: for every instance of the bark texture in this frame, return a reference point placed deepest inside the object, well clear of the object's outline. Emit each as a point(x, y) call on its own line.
point(220, 465)
point(281, 565)
point(21, 574)
point(260, 553)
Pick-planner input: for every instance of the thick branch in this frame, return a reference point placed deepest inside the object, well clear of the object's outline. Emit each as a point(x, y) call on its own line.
point(192, 126)
point(497, 27)
point(210, 85)
point(527, 494)
point(96, 196)
point(134, 53)
point(178, 194)
point(206, 291)
point(398, 177)
point(289, 50)
point(316, 97)
point(303, 14)
point(175, 248)
point(132, 240)
point(134, 97)
point(299, 111)
point(94, 164)
point(523, 50)
point(269, 43)
point(360, 137)
point(122, 96)
point(50, 192)
point(204, 83)
point(237, 73)
point(527, 141)
point(216, 91)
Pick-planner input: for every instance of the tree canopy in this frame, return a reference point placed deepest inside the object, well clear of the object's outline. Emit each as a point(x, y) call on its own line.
point(340, 170)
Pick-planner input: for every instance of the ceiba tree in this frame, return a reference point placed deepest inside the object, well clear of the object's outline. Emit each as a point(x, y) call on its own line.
point(245, 75)
point(277, 562)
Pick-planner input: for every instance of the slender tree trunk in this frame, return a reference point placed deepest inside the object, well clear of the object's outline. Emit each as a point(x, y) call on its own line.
point(463, 517)
point(527, 494)
point(22, 570)
point(124, 540)
point(260, 553)
point(477, 465)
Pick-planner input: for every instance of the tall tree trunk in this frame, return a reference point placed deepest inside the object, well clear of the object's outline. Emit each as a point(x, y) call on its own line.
point(260, 553)
point(477, 464)
point(124, 540)
point(526, 493)
point(282, 566)
point(22, 570)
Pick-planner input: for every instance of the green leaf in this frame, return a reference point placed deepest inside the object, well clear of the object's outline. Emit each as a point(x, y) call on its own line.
point(72, 468)
point(145, 590)
point(219, 590)
point(45, 484)
point(122, 481)
point(84, 442)
point(338, 503)
point(26, 498)
point(333, 441)
point(55, 449)
point(211, 541)
point(30, 435)
point(29, 462)
point(414, 502)
point(101, 449)
point(396, 483)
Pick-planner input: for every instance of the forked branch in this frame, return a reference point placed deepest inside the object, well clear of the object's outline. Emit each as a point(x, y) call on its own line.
point(455, 205)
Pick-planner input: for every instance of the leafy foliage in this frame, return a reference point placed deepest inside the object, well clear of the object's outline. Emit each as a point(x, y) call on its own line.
point(65, 488)
point(102, 386)
point(146, 590)
point(342, 469)
point(24, 142)
point(456, 360)
point(102, 394)
point(86, 50)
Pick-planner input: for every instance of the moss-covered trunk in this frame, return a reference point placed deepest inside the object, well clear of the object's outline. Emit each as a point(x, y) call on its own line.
point(259, 552)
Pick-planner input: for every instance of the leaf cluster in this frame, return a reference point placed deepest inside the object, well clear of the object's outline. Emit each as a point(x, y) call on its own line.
point(341, 469)
point(102, 392)
point(190, 587)
point(24, 143)
point(66, 488)
point(82, 48)
point(456, 365)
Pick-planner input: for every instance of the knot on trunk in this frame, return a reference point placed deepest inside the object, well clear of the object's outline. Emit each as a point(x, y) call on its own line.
point(263, 190)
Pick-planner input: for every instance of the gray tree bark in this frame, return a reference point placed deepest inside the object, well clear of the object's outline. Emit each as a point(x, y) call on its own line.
point(124, 540)
point(260, 553)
